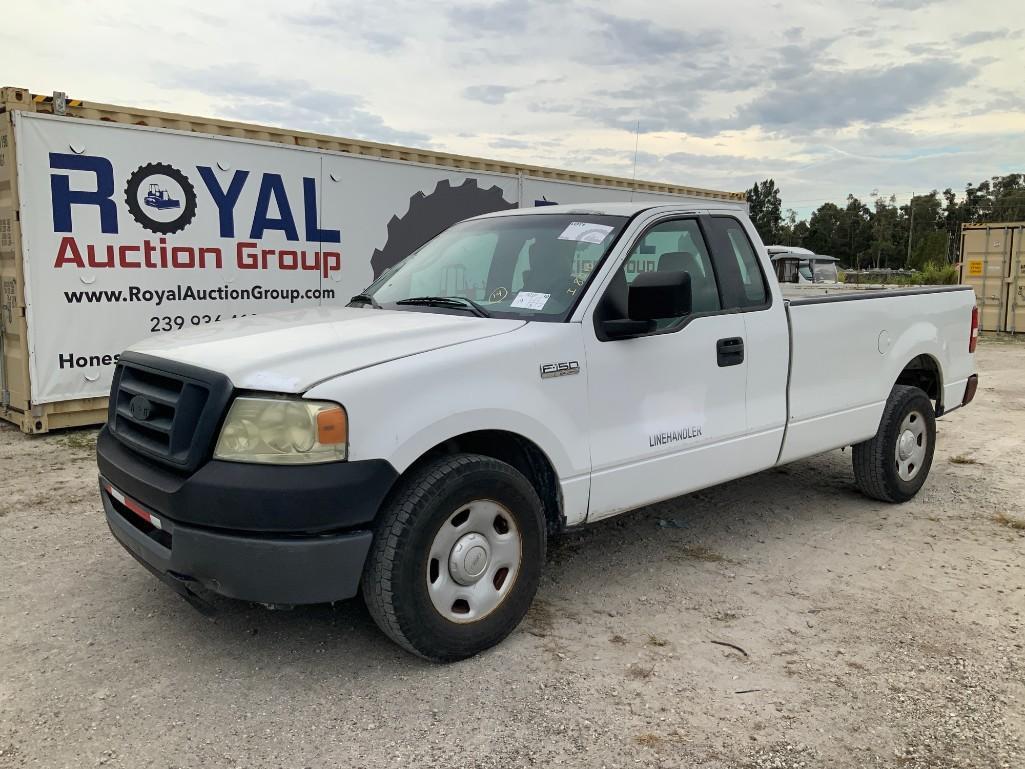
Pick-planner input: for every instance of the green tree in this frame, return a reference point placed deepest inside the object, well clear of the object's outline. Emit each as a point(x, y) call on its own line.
point(926, 220)
point(766, 210)
point(792, 232)
point(924, 231)
point(884, 248)
point(1008, 198)
point(823, 227)
point(855, 244)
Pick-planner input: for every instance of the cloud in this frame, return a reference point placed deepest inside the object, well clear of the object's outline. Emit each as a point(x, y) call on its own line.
point(801, 92)
point(502, 18)
point(624, 40)
point(296, 104)
point(488, 94)
point(987, 36)
point(905, 5)
point(510, 144)
point(353, 24)
point(821, 98)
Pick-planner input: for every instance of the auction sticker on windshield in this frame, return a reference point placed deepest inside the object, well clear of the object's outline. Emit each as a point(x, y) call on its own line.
point(586, 232)
point(530, 300)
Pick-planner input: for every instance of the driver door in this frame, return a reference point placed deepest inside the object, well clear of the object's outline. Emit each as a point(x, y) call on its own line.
point(667, 409)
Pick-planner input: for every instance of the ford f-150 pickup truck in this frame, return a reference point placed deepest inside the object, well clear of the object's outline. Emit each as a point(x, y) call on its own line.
point(522, 373)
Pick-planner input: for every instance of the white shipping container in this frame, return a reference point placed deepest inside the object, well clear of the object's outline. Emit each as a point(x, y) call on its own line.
point(117, 224)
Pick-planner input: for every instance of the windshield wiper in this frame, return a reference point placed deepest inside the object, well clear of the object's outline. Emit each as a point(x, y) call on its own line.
point(365, 299)
point(455, 302)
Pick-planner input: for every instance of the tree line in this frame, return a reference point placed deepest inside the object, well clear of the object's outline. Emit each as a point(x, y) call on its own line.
point(924, 232)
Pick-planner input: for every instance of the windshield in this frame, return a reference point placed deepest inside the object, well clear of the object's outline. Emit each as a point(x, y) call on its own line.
point(532, 266)
point(825, 272)
point(819, 272)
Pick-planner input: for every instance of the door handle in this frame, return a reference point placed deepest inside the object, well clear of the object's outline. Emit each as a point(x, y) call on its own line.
point(730, 351)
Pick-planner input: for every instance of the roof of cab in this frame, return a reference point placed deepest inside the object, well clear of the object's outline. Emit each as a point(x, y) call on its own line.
point(604, 209)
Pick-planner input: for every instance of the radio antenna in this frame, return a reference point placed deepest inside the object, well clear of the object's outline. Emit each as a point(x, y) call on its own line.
point(637, 144)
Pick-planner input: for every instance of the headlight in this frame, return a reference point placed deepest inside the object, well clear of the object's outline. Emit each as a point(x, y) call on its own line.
point(283, 431)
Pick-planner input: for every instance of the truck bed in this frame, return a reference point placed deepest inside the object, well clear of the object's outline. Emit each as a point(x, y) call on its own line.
point(849, 347)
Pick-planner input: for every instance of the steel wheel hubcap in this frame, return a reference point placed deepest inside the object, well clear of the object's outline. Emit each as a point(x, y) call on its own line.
point(473, 561)
point(912, 444)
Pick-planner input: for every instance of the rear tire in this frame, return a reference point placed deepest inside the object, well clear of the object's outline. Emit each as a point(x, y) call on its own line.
point(893, 465)
point(456, 557)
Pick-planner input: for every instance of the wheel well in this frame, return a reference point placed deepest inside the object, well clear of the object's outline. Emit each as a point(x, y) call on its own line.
point(517, 451)
point(923, 372)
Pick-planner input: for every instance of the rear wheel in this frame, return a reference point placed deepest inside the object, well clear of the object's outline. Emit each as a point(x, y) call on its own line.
point(893, 465)
point(456, 557)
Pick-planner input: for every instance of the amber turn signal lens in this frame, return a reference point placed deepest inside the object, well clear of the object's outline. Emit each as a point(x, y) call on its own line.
point(332, 426)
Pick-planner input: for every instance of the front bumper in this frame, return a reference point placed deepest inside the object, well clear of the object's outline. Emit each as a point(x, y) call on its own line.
point(285, 570)
point(296, 535)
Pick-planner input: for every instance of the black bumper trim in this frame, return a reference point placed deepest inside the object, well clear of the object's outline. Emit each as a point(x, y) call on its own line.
point(239, 497)
point(263, 569)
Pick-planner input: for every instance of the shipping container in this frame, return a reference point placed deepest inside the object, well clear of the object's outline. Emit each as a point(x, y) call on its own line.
point(117, 223)
point(993, 263)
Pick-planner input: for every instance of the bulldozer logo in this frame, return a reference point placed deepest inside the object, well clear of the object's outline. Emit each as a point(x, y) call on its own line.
point(160, 198)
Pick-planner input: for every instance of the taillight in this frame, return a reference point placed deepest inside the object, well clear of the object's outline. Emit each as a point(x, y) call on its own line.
point(974, 338)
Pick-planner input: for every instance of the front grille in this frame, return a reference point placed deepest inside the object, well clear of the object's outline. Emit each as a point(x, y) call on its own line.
point(166, 410)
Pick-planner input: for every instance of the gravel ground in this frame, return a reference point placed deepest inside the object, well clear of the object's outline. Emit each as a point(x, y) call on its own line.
point(778, 621)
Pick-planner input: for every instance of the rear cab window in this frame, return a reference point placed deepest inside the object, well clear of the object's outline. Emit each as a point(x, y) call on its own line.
point(745, 286)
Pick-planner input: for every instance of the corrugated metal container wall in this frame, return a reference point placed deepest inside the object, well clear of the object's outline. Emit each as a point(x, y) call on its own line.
point(20, 265)
point(993, 263)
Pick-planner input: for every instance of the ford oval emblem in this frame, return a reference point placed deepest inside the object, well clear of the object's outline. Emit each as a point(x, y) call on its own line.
point(141, 408)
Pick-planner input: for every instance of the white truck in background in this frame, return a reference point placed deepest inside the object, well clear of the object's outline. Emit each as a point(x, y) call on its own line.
point(523, 373)
point(802, 266)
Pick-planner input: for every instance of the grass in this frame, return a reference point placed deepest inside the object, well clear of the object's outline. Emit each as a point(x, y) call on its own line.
point(702, 553)
point(1005, 519)
point(932, 274)
point(999, 337)
point(964, 459)
point(654, 640)
point(80, 439)
point(648, 740)
point(640, 672)
point(652, 740)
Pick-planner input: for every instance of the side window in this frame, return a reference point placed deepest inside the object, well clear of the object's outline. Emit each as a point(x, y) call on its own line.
point(753, 290)
point(673, 246)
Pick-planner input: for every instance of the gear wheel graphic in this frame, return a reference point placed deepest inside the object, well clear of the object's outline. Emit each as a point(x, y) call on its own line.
point(188, 208)
point(429, 214)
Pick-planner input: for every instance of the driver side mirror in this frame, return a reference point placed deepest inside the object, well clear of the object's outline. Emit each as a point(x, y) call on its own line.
point(652, 296)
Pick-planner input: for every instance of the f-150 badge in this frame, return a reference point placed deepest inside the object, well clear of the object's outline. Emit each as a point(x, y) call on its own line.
point(565, 368)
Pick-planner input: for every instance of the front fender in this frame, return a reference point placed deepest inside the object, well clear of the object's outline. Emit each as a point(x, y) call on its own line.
point(400, 410)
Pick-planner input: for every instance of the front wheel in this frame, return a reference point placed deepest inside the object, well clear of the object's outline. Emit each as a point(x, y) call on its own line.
point(456, 557)
point(893, 465)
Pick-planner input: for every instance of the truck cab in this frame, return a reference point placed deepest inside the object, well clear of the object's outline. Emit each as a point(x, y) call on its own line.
point(794, 265)
point(523, 373)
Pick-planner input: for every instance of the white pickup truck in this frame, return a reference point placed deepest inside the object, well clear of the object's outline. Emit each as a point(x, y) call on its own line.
point(523, 373)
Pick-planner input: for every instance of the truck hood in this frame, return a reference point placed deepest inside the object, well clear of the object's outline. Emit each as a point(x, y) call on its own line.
point(292, 350)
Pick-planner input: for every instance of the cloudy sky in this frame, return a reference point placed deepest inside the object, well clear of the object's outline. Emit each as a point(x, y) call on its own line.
point(885, 96)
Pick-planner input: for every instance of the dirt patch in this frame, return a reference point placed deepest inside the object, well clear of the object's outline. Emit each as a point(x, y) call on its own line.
point(875, 635)
point(1011, 521)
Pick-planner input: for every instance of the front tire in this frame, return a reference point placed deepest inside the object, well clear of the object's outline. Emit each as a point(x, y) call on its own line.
point(893, 465)
point(456, 557)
